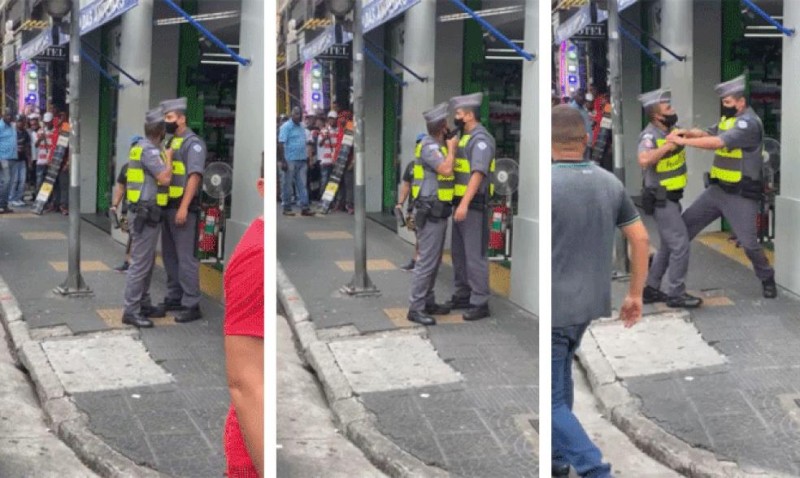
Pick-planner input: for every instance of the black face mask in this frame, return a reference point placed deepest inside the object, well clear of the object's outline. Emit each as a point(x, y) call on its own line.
point(459, 124)
point(729, 111)
point(172, 127)
point(670, 120)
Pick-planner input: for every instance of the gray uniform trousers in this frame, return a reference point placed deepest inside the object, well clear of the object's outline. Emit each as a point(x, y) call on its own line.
point(741, 214)
point(430, 240)
point(183, 268)
point(673, 254)
point(143, 256)
point(470, 260)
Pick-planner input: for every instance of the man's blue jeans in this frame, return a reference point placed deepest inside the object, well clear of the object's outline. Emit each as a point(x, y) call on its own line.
point(5, 182)
point(19, 172)
point(571, 444)
point(296, 175)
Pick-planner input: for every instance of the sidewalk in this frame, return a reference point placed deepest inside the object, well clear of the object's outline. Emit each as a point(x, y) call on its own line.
point(458, 397)
point(127, 401)
point(723, 378)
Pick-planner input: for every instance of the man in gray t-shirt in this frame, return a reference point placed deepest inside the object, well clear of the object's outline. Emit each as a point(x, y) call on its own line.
point(588, 205)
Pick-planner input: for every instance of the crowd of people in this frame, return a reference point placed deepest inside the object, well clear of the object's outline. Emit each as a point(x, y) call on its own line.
point(306, 155)
point(27, 145)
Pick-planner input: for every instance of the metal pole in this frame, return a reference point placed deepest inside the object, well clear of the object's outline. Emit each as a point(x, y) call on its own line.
point(622, 265)
point(360, 284)
point(74, 285)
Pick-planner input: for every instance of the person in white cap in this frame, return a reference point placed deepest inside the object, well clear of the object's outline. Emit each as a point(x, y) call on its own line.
point(326, 148)
point(179, 230)
point(474, 163)
point(147, 190)
point(432, 191)
point(665, 174)
point(734, 186)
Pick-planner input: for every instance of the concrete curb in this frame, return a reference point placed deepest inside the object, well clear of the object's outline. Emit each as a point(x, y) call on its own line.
point(352, 417)
point(624, 411)
point(62, 415)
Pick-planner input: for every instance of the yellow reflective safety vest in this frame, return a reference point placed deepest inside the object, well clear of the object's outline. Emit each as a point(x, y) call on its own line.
point(727, 164)
point(463, 171)
point(178, 184)
point(671, 171)
point(135, 179)
point(445, 190)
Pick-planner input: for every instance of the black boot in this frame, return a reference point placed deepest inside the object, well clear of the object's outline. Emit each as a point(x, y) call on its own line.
point(170, 305)
point(456, 303)
point(420, 318)
point(189, 315)
point(477, 313)
point(652, 295)
point(137, 321)
point(560, 470)
point(437, 309)
point(770, 288)
point(153, 312)
point(684, 301)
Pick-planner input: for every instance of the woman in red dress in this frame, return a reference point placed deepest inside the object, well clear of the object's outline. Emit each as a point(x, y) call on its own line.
point(244, 351)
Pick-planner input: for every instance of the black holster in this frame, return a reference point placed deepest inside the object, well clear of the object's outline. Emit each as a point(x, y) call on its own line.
point(652, 198)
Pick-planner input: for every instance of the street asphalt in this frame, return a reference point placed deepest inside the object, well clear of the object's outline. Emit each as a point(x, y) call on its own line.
point(159, 396)
point(744, 408)
point(458, 396)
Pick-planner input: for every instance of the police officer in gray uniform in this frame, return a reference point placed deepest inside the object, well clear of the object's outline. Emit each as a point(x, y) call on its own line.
point(148, 178)
point(432, 191)
point(735, 182)
point(665, 175)
point(474, 161)
point(179, 235)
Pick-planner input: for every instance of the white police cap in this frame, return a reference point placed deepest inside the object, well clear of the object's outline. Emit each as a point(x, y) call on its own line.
point(735, 86)
point(178, 104)
point(656, 96)
point(473, 100)
point(436, 114)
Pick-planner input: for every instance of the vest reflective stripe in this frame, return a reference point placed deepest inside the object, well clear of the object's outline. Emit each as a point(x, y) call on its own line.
point(727, 164)
point(445, 186)
point(671, 171)
point(178, 169)
point(136, 176)
point(463, 171)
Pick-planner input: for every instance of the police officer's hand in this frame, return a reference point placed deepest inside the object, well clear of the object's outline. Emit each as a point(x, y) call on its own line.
point(631, 311)
point(180, 216)
point(452, 143)
point(113, 210)
point(461, 212)
point(169, 153)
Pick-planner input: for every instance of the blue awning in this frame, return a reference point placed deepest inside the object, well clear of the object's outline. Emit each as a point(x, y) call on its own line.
point(100, 12)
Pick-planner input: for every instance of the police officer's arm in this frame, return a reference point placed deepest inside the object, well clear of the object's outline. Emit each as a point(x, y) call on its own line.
point(707, 142)
point(165, 176)
point(405, 187)
point(636, 234)
point(650, 154)
point(153, 164)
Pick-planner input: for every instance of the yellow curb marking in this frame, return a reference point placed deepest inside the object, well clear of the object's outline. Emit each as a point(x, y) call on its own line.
point(86, 266)
point(41, 236)
point(372, 265)
point(113, 318)
point(20, 215)
point(717, 302)
point(398, 318)
point(719, 242)
point(211, 282)
point(327, 235)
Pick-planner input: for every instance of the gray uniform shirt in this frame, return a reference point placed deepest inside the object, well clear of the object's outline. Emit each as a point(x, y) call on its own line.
point(747, 135)
point(589, 203)
point(431, 157)
point(153, 165)
point(647, 142)
point(480, 152)
point(193, 153)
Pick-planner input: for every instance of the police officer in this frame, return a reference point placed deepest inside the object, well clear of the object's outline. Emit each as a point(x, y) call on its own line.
point(734, 186)
point(148, 178)
point(664, 165)
point(179, 235)
point(432, 192)
point(473, 163)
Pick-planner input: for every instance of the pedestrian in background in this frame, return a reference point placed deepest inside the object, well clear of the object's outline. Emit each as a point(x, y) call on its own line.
point(19, 166)
point(8, 154)
point(120, 199)
point(582, 249)
point(293, 157)
point(244, 350)
point(326, 148)
point(33, 133)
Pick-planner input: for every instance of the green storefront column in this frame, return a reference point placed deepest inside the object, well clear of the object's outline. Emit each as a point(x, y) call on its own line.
point(473, 73)
point(188, 69)
point(105, 133)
